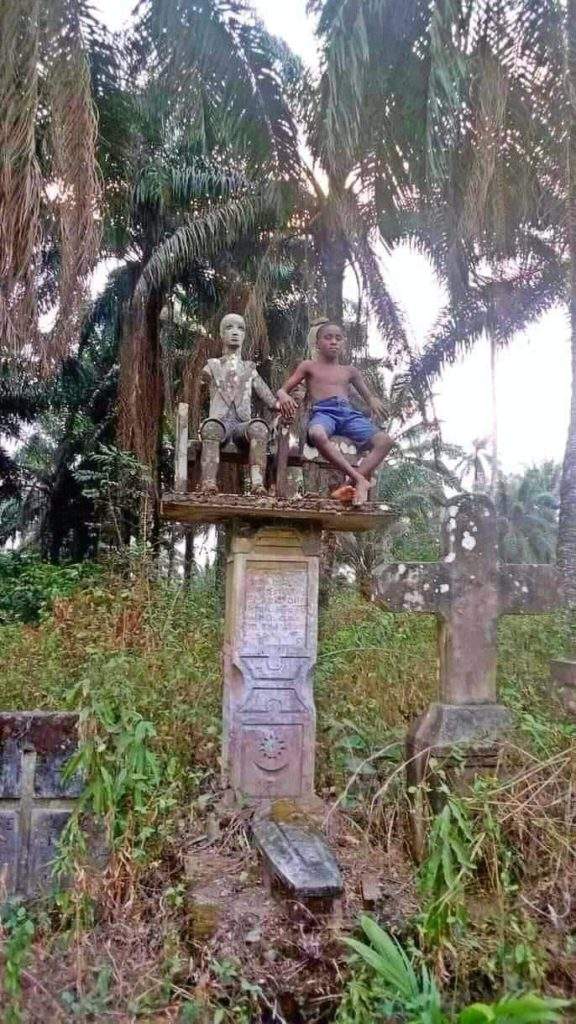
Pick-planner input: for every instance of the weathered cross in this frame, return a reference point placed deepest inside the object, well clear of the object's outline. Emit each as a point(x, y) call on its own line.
point(467, 590)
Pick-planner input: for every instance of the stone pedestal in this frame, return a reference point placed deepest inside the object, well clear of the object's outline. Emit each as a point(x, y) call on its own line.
point(269, 656)
point(35, 803)
point(564, 676)
point(444, 728)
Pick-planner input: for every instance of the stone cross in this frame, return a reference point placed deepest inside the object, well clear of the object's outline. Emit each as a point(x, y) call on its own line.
point(35, 803)
point(468, 590)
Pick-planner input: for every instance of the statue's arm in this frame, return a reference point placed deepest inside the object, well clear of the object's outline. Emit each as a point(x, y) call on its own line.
point(206, 379)
point(263, 391)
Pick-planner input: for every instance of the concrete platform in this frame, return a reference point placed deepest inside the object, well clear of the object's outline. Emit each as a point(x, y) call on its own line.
point(196, 507)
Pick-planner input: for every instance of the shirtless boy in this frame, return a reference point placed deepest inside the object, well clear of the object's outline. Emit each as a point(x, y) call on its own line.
point(328, 383)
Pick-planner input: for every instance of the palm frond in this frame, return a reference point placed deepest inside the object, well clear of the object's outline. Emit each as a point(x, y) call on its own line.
point(218, 50)
point(19, 172)
point(200, 236)
point(502, 308)
point(50, 43)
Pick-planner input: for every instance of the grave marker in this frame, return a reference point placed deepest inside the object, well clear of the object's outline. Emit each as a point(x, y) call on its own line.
point(468, 590)
point(35, 803)
point(269, 656)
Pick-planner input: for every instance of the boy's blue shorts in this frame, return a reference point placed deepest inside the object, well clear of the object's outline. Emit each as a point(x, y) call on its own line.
point(337, 416)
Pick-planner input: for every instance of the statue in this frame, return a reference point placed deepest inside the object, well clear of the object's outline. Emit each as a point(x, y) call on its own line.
point(231, 381)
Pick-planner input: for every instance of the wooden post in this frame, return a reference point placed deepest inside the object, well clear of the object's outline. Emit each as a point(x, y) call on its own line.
point(282, 459)
point(181, 449)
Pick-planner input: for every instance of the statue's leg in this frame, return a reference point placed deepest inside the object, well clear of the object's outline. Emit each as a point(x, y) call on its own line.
point(212, 434)
point(257, 434)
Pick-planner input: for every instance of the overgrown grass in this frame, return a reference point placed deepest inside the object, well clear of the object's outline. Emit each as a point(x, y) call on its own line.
point(156, 645)
point(142, 658)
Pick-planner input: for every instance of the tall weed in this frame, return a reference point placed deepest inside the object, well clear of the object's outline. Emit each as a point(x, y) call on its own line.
point(408, 993)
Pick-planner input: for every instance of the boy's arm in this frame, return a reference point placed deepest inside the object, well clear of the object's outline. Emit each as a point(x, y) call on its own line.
point(376, 405)
point(288, 405)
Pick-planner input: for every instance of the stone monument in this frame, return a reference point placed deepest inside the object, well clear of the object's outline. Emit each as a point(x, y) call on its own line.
point(271, 618)
point(232, 381)
point(269, 656)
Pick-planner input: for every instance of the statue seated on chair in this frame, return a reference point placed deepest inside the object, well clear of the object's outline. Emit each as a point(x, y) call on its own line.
point(232, 381)
point(284, 462)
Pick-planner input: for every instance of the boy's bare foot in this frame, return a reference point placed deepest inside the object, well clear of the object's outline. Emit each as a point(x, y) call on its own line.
point(361, 491)
point(344, 493)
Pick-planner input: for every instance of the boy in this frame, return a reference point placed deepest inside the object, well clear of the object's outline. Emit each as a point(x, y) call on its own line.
point(328, 383)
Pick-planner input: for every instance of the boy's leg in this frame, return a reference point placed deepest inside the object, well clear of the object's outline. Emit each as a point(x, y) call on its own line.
point(322, 442)
point(381, 446)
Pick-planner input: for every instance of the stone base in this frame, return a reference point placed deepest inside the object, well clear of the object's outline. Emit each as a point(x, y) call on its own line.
point(463, 735)
point(476, 728)
point(297, 858)
point(563, 671)
point(271, 627)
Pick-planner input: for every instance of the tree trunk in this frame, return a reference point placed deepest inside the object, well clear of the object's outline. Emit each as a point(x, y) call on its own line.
point(334, 266)
point(189, 559)
point(494, 429)
point(223, 544)
point(332, 248)
point(567, 524)
point(141, 396)
point(171, 551)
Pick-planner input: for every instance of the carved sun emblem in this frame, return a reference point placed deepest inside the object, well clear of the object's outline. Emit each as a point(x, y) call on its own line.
point(272, 745)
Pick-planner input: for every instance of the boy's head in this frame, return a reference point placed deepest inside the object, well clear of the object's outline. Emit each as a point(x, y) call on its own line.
point(325, 337)
point(330, 340)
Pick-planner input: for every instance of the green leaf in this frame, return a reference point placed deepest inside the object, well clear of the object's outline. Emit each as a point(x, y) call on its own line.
point(478, 1013)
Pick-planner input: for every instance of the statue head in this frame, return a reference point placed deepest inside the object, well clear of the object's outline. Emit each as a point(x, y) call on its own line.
point(232, 332)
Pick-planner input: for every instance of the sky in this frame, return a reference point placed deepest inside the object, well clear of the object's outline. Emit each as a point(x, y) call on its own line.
point(533, 373)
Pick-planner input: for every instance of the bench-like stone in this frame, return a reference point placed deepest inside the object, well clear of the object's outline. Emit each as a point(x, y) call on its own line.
point(299, 859)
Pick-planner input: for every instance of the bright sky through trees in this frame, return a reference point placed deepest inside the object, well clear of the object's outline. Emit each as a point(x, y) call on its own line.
point(533, 373)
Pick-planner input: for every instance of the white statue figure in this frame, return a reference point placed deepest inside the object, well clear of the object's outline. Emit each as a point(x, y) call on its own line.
point(231, 381)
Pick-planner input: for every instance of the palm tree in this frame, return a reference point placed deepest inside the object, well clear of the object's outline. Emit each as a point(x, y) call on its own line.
point(54, 510)
point(207, 142)
point(478, 464)
point(442, 107)
point(469, 146)
point(527, 509)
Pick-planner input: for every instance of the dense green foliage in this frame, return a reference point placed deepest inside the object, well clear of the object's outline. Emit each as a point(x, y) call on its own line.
point(139, 657)
point(29, 586)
